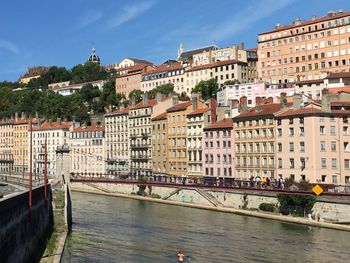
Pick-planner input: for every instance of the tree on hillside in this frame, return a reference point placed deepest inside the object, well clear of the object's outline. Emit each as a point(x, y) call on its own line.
point(165, 89)
point(89, 92)
point(8, 84)
point(208, 88)
point(137, 94)
point(53, 75)
point(88, 72)
point(231, 82)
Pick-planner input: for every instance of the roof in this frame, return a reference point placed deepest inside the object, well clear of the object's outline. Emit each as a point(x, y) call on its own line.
point(179, 107)
point(137, 67)
point(164, 68)
point(309, 22)
point(340, 89)
point(310, 112)
point(188, 54)
point(140, 61)
point(119, 112)
point(7, 121)
point(198, 112)
point(89, 128)
point(160, 117)
point(223, 124)
point(255, 49)
point(336, 75)
point(266, 110)
point(216, 64)
point(53, 126)
point(304, 82)
point(26, 120)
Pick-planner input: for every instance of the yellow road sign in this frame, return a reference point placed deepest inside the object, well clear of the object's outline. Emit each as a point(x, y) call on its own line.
point(317, 189)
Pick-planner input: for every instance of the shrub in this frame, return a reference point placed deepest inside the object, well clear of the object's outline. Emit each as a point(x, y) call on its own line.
point(157, 196)
point(296, 204)
point(269, 207)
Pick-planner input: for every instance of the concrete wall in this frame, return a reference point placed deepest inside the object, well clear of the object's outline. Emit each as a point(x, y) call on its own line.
point(23, 233)
point(330, 208)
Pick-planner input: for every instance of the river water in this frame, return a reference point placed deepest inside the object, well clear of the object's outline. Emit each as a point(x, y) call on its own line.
point(111, 229)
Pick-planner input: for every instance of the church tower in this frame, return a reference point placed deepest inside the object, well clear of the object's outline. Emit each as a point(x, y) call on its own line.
point(93, 57)
point(180, 51)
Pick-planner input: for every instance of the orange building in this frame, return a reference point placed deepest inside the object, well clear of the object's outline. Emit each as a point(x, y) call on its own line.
point(305, 50)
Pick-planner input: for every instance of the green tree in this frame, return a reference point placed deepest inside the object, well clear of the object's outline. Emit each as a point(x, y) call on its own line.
point(231, 82)
point(53, 75)
point(89, 92)
point(165, 89)
point(88, 72)
point(137, 94)
point(208, 88)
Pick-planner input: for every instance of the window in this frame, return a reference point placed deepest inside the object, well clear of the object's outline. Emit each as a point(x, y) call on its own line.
point(333, 131)
point(334, 163)
point(322, 130)
point(279, 132)
point(291, 131)
point(302, 146)
point(323, 146)
point(346, 147)
point(333, 146)
point(347, 163)
point(301, 129)
point(291, 146)
point(280, 163)
point(334, 179)
point(323, 163)
point(279, 147)
point(302, 163)
point(323, 178)
point(291, 163)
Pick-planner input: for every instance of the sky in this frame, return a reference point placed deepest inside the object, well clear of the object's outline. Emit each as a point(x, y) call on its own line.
point(62, 33)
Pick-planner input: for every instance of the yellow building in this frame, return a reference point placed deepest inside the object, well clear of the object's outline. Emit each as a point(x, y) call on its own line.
point(20, 144)
point(159, 144)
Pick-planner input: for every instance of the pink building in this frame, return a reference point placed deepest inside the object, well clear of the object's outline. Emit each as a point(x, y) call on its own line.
point(218, 152)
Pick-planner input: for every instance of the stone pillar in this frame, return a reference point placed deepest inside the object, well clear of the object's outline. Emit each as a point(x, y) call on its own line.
point(63, 163)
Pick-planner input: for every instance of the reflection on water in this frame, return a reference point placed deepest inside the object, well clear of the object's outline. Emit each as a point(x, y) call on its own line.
point(110, 229)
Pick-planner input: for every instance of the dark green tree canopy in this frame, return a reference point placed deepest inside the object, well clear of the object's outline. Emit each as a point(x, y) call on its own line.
point(137, 94)
point(88, 72)
point(165, 89)
point(208, 88)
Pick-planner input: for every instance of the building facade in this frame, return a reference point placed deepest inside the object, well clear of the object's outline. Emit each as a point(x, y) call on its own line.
point(160, 144)
point(117, 142)
point(218, 154)
point(6, 145)
point(305, 50)
point(87, 150)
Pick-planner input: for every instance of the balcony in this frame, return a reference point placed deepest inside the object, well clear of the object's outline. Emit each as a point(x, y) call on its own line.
point(144, 135)
point(139, 146)
point(133, 136)
point(140, 157)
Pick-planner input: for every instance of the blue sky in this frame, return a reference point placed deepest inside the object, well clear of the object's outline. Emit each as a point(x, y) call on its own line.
point(62, 33)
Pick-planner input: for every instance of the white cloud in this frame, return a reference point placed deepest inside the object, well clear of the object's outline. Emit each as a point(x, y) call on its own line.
point(130, 12)
point(89, 18)
point(9, 46)
point(198, 35)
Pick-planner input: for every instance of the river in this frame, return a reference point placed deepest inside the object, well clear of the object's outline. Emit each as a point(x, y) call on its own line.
point(111, 229)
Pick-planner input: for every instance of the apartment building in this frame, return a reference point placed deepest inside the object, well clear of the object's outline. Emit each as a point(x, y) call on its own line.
point(305, 50)
point(117, 143)
point(87, 150)
point(160, 144)
point(168, 72)
point(218, 151)
point(129, 78)
point(197, 120)
point(312, 142)
point(57, 134)
point(255, 140)
point(20, 144)
point(6, 144)
point(140, 128)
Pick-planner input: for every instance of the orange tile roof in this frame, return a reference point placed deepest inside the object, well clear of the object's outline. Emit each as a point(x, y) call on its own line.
point(26, 120)
point(309, 22)
point(89, 128)
point(140, 61)
point(160, 117)
point(137, 67)
point(140, 105)
point(338, 90)
point(164, 68)
point(228, 62)
point(119, 112)
point(315, 81)
point(335, 75)
point(180, 106)
point(53, 126)
point(223, 124)
point(301, 111)
point(266, 110)
point(198, 112)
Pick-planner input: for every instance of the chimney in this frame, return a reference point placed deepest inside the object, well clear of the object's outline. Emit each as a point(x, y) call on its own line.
point(258, 103)
point(58, 121)
point(36, 115)
point(50, 122)
point(159, 97)
point(145, 98)
point(283, 100)
point(243, 107)
point(194, 98)
point(133, 102)
point(16, 116)
point(109, 108)
point(175, 100)
point(23, 115)
point(241, 46)
point(234, 104)
point(297, 98)
point(121, 107)
point(325, 101)
point(268, 100)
